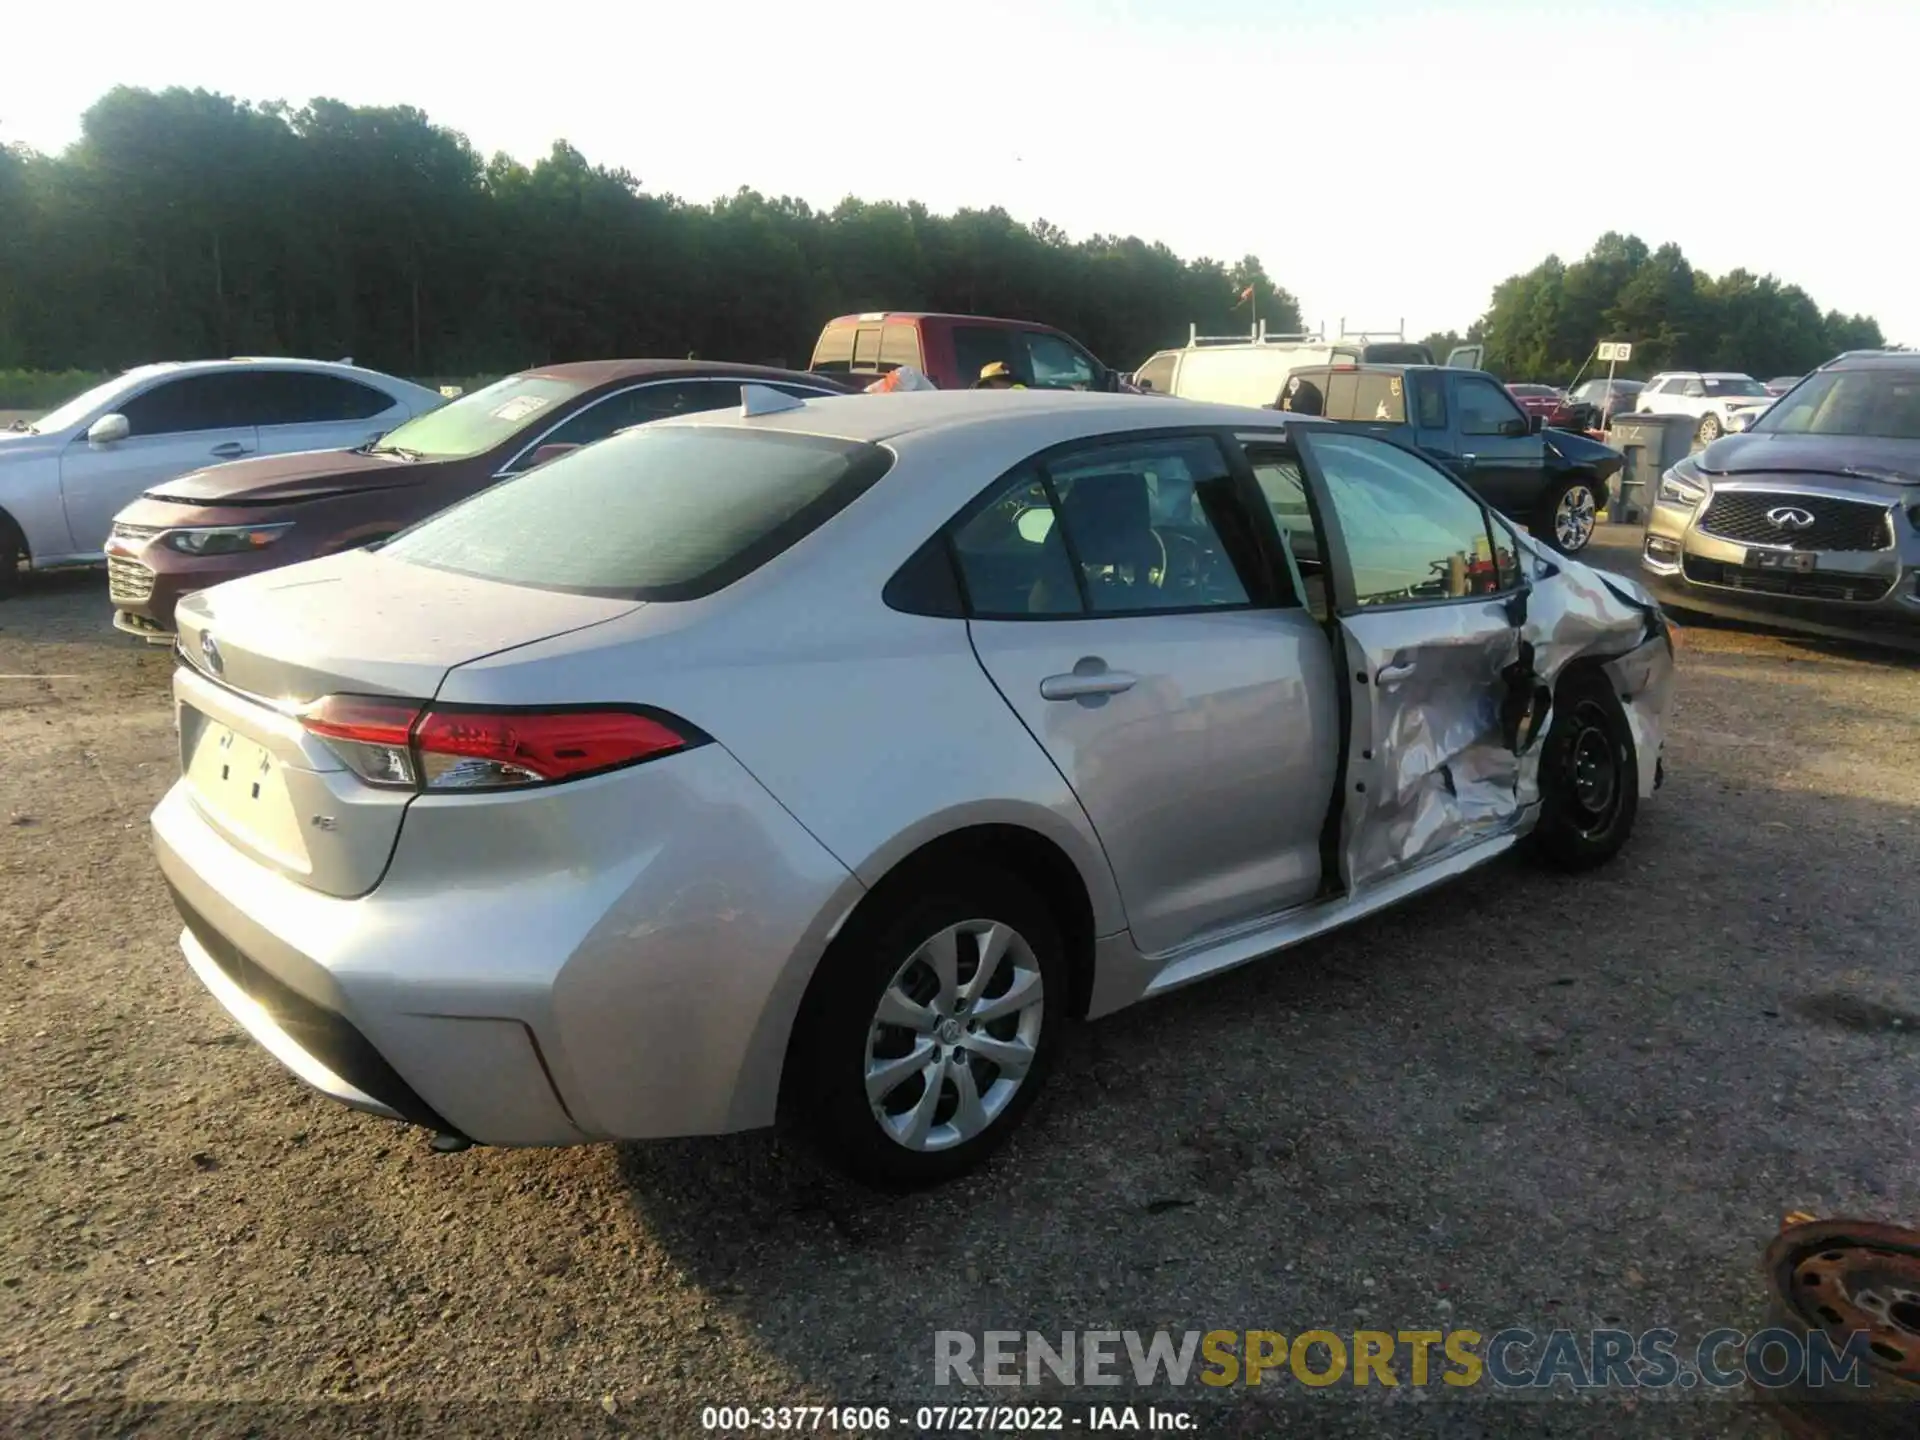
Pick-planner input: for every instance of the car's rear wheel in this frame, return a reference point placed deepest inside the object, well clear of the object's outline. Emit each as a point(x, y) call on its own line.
point(930, 1028)
point(1568, 513)
point(1589, 775)
point(1709, 430)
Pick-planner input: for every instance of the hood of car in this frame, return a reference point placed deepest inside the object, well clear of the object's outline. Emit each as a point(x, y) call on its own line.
point(311, 475)
point(1581, 452)
point(19, 444)
point(1862, 457)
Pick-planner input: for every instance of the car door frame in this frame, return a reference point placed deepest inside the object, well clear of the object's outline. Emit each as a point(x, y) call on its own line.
point(1520, 697)
point(352, 433)
point(1512, 477)
point(1269, 587)
point(81, 445)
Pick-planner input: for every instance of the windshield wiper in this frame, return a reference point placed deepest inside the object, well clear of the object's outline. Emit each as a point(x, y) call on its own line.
point(400, 450)
point(23, 428)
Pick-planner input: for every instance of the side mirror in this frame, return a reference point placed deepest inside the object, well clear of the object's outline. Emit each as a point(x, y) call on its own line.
point(108, 430)
point(1539, 424)
point(546, 453)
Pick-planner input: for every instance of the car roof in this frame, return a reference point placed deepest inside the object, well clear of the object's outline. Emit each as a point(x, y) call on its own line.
point(287, 362)
point(875, 317)
point(1875, 360)
point(874, 418)
point(601, 372)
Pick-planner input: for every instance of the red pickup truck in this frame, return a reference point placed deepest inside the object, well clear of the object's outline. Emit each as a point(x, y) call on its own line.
point(952, 350)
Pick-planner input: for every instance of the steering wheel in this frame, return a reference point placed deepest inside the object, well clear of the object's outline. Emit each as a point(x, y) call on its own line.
point(1189, 571)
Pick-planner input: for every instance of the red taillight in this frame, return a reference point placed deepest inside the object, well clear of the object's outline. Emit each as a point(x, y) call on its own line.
point(485, 749)
point(403, 744)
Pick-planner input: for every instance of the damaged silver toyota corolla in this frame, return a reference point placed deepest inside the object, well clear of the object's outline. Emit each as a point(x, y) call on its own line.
point(823, 758)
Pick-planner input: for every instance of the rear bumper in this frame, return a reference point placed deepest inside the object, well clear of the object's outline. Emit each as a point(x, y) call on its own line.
point(644, 987)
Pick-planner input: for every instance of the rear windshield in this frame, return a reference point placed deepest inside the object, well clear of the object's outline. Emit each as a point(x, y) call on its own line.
point(1347, 395)
point(834, 354)
point(1396, 354)
point(666, 512)
point(1880, 403)
point(482, 420)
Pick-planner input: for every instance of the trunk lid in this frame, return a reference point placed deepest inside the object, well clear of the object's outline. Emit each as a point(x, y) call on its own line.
point(257, 650)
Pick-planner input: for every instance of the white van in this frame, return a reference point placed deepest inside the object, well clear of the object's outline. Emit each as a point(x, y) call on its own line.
point(1253, 369)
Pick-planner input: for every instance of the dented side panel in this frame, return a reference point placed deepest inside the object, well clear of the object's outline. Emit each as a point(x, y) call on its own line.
point(1443, 750)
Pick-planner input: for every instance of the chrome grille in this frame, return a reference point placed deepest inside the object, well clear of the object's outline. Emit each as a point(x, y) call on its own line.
point(1837, 524)
point(128, 581)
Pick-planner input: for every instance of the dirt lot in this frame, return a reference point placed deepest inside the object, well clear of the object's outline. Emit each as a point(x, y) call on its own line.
point(1525, 1101)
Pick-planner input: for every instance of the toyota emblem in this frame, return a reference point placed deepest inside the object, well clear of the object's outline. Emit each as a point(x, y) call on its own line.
point(1789, 517)
point(210, 652)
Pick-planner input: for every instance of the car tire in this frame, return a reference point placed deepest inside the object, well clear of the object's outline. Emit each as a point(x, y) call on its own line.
point(853, 1085)
point(1709, 430)
point(1568, 514)
point(1589, 775)
point(13, 550)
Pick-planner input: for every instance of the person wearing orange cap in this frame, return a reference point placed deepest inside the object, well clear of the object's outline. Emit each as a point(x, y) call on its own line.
point(998, 376)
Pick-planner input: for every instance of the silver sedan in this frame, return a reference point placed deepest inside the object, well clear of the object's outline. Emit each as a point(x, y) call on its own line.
point(822, 759)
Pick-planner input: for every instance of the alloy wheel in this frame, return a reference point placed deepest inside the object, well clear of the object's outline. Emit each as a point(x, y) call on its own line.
point(954, 1035)
point(1574, 518)
point(1709, 430)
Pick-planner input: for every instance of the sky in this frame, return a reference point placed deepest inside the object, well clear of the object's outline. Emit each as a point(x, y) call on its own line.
point(1389, 162)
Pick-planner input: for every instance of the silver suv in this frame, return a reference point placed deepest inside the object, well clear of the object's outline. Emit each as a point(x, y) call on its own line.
point(1810, 519)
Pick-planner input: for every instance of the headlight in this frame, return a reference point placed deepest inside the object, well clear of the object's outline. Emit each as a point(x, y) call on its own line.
point(1678, 489)
point(224, 539)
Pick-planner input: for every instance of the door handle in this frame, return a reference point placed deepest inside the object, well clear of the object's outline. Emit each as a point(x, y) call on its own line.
point(228, 449)
point(1393, 674)
point(1084, 683)
point(1467, 462)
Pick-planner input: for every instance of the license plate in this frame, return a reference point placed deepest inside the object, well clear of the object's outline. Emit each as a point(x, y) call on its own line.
point(1800, 562)
point(235, 773)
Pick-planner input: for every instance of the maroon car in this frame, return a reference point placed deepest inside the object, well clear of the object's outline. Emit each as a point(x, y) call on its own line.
point(1551, 405)
point(212, 525)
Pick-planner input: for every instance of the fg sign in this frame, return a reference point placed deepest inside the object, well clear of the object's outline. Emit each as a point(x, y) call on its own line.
point(1612, 352)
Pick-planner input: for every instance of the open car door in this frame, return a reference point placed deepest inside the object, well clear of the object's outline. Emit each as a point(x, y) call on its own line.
point(1429, 599)
point(1466, 357)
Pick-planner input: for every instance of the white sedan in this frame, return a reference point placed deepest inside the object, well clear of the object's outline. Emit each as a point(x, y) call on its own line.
point(66, 475)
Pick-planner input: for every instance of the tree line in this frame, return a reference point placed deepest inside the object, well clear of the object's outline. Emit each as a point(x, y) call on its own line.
point(1545, 324)
point(185, 224)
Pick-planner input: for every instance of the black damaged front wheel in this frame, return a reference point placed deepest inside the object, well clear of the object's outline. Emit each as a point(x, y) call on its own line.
point(1589, 775)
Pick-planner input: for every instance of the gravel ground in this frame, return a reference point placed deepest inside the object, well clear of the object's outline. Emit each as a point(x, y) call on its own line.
point(1522, 1101)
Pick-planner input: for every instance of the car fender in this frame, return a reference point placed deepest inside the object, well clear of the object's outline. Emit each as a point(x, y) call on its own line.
point(30, 495)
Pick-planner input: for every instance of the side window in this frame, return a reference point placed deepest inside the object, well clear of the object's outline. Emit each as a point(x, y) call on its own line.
point(1286, 493)
point(1411, 534)
point(1054, 364)
point(900, 345)
point(1506, 556)
point(1153, 525)
point(193, 402)
point(1431, 391)
point(1694, 390)
point(977, 346)
point(1484, 407)
point(297, 397)
point(1013, 560)
point(636, 406)
point(866, 348)
point(1157, 374)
